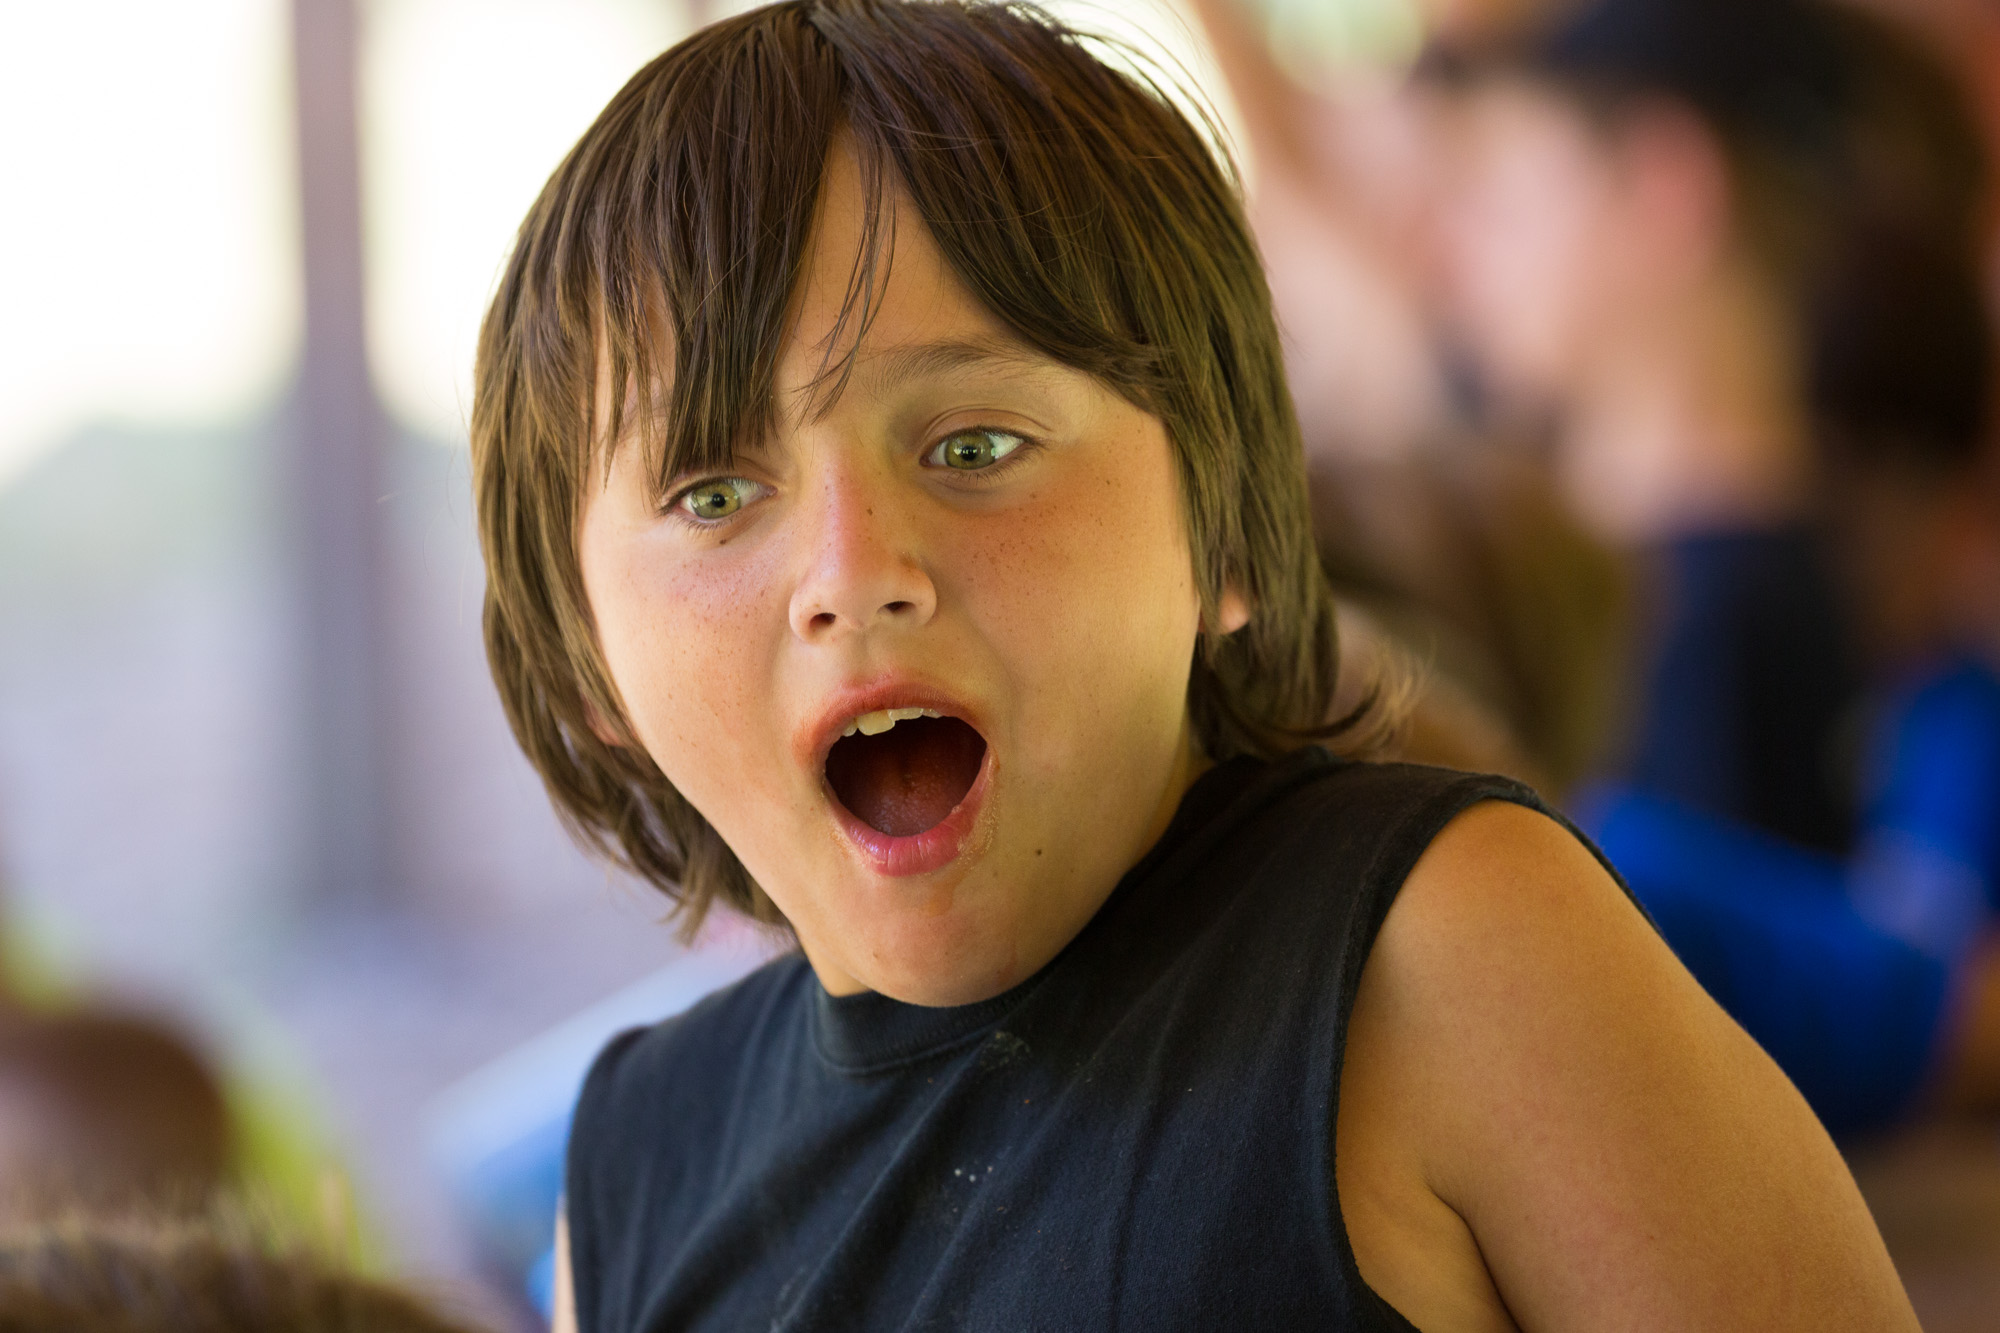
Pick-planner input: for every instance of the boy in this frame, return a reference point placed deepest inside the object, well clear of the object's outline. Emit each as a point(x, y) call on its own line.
point(896, 528)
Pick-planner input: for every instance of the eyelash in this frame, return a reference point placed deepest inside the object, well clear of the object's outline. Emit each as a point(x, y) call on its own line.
point(1023, 444)
point(676, 503)
point(676, 506)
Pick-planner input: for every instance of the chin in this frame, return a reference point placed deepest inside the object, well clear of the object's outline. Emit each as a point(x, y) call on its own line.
point(939, 950)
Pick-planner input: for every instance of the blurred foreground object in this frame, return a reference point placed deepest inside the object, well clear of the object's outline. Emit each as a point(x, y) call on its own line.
point(136, 1275)
point(99, 1108)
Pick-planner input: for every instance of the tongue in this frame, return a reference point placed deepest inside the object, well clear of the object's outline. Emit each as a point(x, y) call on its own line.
point(908, 778)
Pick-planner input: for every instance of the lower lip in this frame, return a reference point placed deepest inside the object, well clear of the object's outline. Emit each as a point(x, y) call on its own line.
point(920, 853)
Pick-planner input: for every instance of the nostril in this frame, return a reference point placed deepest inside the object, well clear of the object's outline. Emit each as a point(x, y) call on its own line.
point(897, 608)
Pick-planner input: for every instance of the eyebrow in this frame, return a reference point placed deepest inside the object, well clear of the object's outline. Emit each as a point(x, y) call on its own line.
point(894, 367)
point(902, 364)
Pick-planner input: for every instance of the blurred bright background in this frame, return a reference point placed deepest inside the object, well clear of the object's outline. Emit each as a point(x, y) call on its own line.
point(157, 697)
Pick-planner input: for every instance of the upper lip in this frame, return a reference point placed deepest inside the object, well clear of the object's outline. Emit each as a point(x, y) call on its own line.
point(843, 706)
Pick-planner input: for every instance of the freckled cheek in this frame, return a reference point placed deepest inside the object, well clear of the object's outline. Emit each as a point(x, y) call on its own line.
point(690, 645)
point(1083, 583)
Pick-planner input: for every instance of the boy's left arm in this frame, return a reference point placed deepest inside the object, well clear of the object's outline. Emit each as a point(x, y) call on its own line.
point(1542, 1108)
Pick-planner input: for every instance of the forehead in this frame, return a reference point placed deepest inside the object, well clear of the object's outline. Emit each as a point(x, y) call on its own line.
point(876, 306)
point(878, 301)
point(1517, 108)
point(1534, 140)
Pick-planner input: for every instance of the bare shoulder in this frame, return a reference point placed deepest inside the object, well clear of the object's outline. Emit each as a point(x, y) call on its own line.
point(1545, 1123)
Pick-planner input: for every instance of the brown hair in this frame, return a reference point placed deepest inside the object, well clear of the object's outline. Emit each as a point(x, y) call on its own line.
point(1070, 197)
point(133, 1274)
point(1839, 130)
point(105, 1108)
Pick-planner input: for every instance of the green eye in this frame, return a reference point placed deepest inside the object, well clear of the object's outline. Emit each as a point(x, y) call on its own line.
point(971, 450)
point(710, 500)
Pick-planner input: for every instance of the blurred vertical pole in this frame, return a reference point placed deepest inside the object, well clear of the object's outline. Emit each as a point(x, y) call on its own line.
point(337, 481)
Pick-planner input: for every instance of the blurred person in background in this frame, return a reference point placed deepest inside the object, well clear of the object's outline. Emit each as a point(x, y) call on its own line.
point(1646, 193)
point(1344, 167)
point(1724, 255)
point(1678, 218)
point(1902, 383)
point(1441, 548)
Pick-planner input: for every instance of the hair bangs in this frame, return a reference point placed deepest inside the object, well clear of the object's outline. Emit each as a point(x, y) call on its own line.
point(1092, 210)
point(693, 238)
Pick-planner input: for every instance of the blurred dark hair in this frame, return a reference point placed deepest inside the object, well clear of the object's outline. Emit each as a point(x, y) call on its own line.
point(102, 1108)
point(1769, 70)
point(1900, 357)
point(1819, 108)
point(136, 1275)
point(1859, 177)
point(1898, 332)
point(1073, 199)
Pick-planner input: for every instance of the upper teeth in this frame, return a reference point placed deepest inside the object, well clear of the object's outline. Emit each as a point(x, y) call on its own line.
point(879, 721)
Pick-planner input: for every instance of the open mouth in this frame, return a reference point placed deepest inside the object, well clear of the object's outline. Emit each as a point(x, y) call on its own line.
point(901, 771)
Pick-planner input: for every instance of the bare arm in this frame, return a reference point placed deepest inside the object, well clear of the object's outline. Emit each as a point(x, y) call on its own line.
point(564, 1320)
point(1546, 1123)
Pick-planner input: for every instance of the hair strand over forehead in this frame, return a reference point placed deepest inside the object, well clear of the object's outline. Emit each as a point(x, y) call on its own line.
point(1072, 199)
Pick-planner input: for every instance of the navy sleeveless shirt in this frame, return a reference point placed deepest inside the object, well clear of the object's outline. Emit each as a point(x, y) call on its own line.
point(1138, 1137)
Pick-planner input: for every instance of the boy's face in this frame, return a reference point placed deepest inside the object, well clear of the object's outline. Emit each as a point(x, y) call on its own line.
point(1525, 238)
point(969, 529)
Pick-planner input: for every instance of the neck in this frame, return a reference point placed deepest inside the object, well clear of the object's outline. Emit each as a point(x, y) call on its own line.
point(1190, 762)
point(1690, 418)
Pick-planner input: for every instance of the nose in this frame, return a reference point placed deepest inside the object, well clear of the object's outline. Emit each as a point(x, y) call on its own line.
point(861, 572)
